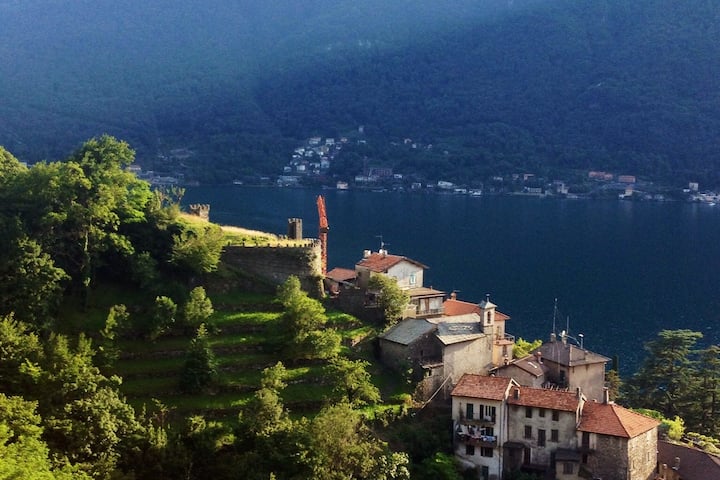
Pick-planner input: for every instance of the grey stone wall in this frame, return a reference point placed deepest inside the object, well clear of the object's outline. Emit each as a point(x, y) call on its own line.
point(276, 264)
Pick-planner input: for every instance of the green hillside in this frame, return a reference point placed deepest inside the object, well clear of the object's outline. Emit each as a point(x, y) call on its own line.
point(499, 86)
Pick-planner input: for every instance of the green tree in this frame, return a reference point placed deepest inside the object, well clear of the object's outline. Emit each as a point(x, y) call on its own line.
point(23, 453)
point(342, 446)
point(198, 308)
point(74, 209)
point(200, 369)
point(665, 380)
point(614, 384)
point(705, 416)
point(197, 249)
point(390, 297)
point(440, 466)
point(522, 348)
point(305, 320)
point(10, 167)
point(84, 416)
point(162, 317)
point(353, 382)
point(31, 285)
point(266, 412)
point(20, 356)
point(117, 320)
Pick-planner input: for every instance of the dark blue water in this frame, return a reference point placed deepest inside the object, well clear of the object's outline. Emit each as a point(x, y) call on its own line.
point(621, 271)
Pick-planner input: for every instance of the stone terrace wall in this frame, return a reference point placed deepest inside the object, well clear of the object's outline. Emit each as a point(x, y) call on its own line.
point(276, 263)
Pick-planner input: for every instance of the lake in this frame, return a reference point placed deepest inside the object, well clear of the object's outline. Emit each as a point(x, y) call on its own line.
point(620, 271)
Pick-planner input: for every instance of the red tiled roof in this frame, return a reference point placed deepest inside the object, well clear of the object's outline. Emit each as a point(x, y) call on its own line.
point(480, 386)
point(543, 398)
point(612, 419)
point(381, 263)
point(341, 274)
point(458, 307)
point(694, 464)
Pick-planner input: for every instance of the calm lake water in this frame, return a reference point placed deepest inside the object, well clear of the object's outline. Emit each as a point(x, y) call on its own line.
point(620, 271)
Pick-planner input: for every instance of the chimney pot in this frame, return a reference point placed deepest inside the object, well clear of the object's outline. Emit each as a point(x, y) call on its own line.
point(606, 395)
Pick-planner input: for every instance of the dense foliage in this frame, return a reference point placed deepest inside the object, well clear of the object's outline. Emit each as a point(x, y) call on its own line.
point(494, 87)
point(76, 228)
point(679, 380)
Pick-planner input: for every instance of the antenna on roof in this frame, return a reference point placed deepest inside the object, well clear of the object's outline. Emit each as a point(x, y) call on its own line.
point(567, 325)
point(554, 331)
point(382, 244)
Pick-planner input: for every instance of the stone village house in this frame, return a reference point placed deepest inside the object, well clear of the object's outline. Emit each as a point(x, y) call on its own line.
point(500, 426)
point(532, 413)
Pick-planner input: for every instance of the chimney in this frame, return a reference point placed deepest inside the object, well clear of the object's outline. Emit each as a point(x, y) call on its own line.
point(563, 337)
point(553, 337)
point(676, 465)
point(453, 296)
point(578, 392)
point(606, 395)
point(366, 253)
point(538, 355)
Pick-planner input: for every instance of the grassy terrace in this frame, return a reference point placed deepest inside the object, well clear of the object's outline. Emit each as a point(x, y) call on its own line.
point(247, 339)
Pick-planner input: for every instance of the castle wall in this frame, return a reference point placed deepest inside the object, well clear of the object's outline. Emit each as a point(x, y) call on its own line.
point(276, 264)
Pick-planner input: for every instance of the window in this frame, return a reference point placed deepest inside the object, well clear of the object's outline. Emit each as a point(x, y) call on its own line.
point(469, 411)
point(469, 449)
point(488, 318)
point(489, 431)
point(555, 415)
point(541, 412)
point(541, 437)
point(528, 412)
point(554, 436)
point(412, 279)
point(528, 431)
point(490, 412)
point(568, 468)
point(584, 458)
point(486, 452)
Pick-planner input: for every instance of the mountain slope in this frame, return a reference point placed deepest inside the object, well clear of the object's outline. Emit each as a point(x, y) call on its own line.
point(498, 84)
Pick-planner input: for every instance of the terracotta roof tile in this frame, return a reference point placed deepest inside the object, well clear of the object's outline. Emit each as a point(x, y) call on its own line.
point(694, 464)
point(612, 419)
point(480, 386)
point(380, 263)
point(544, 398)
point(459, 307)
point(341, 274)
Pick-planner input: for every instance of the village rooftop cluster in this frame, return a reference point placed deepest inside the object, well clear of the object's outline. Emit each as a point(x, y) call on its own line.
point(549, 413)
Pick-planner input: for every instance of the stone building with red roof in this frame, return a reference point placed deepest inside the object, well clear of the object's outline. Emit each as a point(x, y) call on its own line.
point(501, 426)
point(470, 340)
point(408, 273)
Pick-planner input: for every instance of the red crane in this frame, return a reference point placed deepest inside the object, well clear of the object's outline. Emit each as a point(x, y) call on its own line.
point(322, 234)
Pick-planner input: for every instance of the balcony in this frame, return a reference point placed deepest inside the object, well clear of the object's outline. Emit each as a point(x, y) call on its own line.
point(505, 338)
point(470, 435)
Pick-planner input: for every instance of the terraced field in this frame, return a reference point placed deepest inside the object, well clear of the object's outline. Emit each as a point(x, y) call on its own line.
point(246, 338)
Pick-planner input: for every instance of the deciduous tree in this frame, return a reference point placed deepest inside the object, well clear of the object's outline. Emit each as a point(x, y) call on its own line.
point(390, 297)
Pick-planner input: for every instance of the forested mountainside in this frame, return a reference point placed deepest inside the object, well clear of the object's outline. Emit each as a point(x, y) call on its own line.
point(498, 85)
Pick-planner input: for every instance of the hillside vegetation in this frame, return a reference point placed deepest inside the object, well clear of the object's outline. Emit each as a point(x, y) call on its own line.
point(116, 362)
point(499, 86)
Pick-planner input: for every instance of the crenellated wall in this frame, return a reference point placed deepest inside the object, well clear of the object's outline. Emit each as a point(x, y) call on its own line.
point(276, 263)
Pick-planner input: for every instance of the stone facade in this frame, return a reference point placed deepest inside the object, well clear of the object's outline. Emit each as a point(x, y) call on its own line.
point(276, 264)
point(549, 432)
